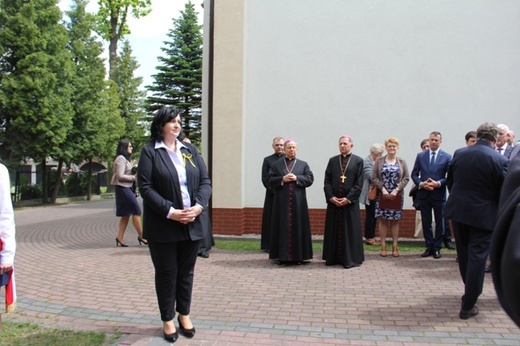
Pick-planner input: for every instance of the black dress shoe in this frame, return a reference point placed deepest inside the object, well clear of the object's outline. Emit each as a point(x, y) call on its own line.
point(464, 315)
point(449, 246)
point(427, 252)
point(189, 333)
point(353, 265)
point(437, 254)
point(204, 254)
point(171, 337)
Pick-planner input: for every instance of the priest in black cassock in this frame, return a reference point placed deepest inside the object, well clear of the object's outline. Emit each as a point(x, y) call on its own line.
point(343, 239)
point(291, 241)
point(269, 192)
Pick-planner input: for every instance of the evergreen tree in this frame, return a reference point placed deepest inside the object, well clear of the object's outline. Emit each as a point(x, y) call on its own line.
point(35, 90)
point(179, 80)
point(131, 97)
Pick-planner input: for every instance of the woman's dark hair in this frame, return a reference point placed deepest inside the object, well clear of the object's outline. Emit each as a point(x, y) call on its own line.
point(181, 135)
point(161, 117)
point(122, 148)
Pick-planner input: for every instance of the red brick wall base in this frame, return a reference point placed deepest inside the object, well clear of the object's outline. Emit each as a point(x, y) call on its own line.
point(227, 221)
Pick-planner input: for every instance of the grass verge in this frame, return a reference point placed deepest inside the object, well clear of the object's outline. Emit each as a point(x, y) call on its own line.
point(254, 244)
point(22, 334)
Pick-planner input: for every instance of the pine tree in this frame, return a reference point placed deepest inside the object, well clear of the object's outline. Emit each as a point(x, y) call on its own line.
point(35, 71)
point(179, 80)
point(131, 97)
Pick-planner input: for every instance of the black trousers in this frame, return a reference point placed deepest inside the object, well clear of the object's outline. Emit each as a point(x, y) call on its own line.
point(174, 268)
point(473, 245)
point(370, 220)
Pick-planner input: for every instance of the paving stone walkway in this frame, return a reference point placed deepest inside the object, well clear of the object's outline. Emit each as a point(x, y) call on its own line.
point(70, 274)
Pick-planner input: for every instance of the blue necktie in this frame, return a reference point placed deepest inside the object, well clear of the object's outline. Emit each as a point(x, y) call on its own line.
point(432, 161)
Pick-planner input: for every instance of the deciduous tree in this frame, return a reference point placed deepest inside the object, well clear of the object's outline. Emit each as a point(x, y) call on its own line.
point(92, 117)
point(112, 19)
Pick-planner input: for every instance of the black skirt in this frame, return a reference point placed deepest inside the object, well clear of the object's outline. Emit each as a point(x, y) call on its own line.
point(126, 202)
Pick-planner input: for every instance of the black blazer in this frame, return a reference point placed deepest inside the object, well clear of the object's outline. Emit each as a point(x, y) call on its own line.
point(160, 189)
point(505, 246)
point(475, 178)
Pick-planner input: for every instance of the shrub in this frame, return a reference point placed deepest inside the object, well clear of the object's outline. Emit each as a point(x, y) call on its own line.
point(76, 185)
point(30, 192)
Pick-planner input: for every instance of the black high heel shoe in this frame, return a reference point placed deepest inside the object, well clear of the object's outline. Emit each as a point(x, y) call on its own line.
point(189, 333)
point(141, 240)
point(171, 337)
point(118, 243)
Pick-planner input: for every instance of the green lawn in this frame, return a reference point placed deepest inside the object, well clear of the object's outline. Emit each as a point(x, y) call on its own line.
point(22, 334)
point(254, 244)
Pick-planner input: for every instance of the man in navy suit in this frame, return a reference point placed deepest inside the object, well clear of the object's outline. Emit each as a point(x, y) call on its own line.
point(475, 179)
point(429, 174)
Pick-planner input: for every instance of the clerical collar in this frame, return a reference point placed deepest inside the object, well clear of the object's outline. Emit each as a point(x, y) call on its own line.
point(346, 155)
point(290, 159)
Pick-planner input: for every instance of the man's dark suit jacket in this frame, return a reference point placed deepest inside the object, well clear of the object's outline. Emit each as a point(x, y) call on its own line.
point(160, 189)
point(475, 178)
point(421, 172)
point(266, 166)
point(505, 246)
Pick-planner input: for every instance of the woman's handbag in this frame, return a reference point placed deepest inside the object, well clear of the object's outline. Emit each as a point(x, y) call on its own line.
point(391, 204)
point(372, 193)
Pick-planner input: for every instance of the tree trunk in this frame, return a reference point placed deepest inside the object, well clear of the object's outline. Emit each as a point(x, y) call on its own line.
point(44, 181)
point(110, 171)
point(58, 182)
point(112, 56)
point(89, 181)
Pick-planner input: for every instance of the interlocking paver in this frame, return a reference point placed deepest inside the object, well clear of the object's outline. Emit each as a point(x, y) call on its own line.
point(70, 274)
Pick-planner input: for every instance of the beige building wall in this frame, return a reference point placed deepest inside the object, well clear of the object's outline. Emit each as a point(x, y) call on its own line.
point(227, 136)
point(315, 70)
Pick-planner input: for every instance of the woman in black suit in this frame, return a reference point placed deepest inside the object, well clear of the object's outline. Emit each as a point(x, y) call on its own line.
point(175, 187)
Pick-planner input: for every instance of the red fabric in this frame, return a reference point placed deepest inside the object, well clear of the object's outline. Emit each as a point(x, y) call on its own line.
point(10, 291)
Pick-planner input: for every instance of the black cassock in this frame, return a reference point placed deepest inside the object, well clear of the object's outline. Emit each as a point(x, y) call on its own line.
point(291, 239)
point(343, 239)
point(268, 201)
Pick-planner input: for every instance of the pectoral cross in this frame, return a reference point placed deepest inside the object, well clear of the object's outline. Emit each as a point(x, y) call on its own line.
point(343, 179)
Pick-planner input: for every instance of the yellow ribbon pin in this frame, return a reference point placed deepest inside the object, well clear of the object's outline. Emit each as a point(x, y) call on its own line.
point(187, 156)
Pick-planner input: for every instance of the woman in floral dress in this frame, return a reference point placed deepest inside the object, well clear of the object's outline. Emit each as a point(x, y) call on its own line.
point(390, 175)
